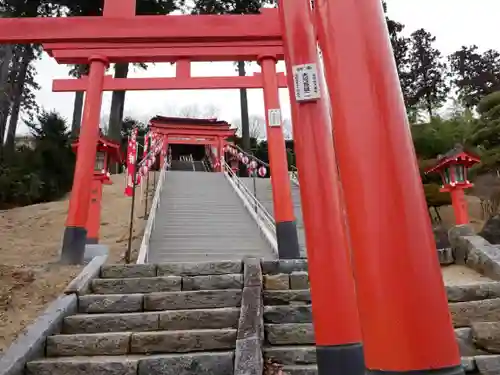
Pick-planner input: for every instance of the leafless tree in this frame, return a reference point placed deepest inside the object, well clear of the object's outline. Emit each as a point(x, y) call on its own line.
point(257, 127)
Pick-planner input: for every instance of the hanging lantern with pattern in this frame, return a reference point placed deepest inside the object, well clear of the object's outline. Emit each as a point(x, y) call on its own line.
point(262, 171)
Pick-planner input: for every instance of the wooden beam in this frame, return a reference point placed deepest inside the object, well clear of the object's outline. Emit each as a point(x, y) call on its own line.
point(174, 83)
point(173, 28)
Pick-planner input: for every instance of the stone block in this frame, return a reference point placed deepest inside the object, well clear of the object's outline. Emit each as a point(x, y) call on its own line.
point(199, 319)
point(88, 344)
point(445, 256)
point(199, 268)
point(287, 314)
point(248, 358)
point(463, 314)
point(252, 272)
point(473, 292)
point(212, 282)
point(290, 334)
point(93, 251)
point(251, 322)
point(483, 257)
point(203, 299)
point(488, 364)
point(459, 247)
point(287, 297)
point(118, 271)
point(31, 343)
point(187, 364)
point(137, 285)
point(81, 283)
point(277, 282)
point(182, 341)
point(469, 364)
point(110, 303)
point(300, 370)
point(95, 323)
point(291, 355)
point(465, 342)
point(83, 366)
point(486, 336)
point(284, 266)
point(299, 280)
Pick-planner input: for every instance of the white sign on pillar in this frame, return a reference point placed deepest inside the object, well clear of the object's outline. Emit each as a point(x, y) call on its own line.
point(274, 117)
point(306, 82)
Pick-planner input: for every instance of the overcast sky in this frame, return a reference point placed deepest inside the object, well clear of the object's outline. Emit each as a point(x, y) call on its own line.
point(453, 22)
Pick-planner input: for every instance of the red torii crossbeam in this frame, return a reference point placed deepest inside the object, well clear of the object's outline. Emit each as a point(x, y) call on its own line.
point(174, 83)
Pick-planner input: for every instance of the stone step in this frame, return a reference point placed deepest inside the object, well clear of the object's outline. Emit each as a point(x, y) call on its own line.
point(304, 357)
point(291, 355)
point(171, 269)
point(290, 334)
point(123, 303)
point(182, 341)
point(300, 370)
point(152, 321)
point(220, 363)
point(463, 314)
point(288, 314)
point(137, 285)
point(166, 284)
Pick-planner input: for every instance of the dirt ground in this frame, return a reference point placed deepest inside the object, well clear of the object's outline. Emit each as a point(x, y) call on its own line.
point(30, 238)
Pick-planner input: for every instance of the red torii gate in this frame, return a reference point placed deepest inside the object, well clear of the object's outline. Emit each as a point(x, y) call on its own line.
point(394, 256)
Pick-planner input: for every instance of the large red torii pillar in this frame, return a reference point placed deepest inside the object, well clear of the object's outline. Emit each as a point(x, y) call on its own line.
point(394, 252)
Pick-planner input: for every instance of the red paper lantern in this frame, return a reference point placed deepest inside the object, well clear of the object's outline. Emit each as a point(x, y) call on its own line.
point(262, 171)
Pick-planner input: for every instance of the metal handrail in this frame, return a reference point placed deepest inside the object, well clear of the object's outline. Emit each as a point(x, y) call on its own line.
point(262, 217)
point(293, 173)
point(144, 249)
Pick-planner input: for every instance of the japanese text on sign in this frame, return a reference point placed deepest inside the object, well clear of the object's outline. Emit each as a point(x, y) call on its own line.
point(274, 117)
point(306, 82)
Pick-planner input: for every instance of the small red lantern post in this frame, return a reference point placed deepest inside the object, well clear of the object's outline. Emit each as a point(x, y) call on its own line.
point(107, 151)
point(453, 167)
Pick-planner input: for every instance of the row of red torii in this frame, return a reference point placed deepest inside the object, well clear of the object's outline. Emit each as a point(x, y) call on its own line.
point(371, 268)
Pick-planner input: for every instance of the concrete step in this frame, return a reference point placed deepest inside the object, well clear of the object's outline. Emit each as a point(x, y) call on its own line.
point(123, 303)
point(207, 256)
point(166, 284)
point(291, 355)
point(179, 341)
point(464, 314)
point(216, 318)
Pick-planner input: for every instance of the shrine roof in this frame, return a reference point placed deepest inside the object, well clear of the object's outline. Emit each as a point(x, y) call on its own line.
point(458, 153)
point(160, 120)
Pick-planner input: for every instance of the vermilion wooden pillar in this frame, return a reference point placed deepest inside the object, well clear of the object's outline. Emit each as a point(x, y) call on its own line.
point(94, 219)
point(220, 153)
point(394, 252)
point(286, 228)
point(74, 240)
point(335, 316)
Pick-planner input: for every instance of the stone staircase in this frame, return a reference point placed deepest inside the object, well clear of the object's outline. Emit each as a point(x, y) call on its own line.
point(289, 335)
point(177, 318)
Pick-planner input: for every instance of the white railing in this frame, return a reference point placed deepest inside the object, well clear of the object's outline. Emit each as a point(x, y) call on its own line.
point(262, 217)
point(144, 249)
point(294, 177)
